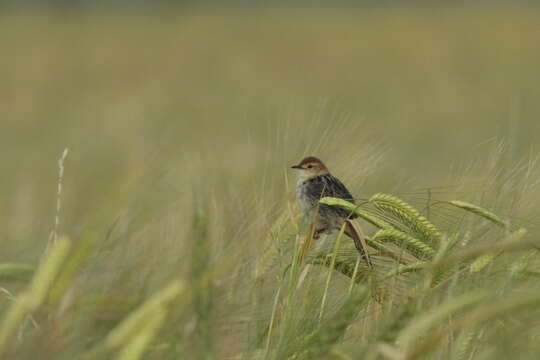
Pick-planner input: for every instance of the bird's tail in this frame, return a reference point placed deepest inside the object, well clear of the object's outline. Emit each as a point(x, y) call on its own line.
point(354, 232)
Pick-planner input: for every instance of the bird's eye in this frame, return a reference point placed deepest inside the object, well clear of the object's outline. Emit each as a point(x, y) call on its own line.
point(309, 166)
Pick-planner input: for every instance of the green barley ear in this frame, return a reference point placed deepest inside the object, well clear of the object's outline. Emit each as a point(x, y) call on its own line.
point(384, 250)
point(412, 245)
point(406, 268)
point(80, 255)
point(482, 261)
point(485, 259)
point(479, 257)
point(514, 241)
point(32, 298)
point(345, 263)
point(524, 262)
point(140, 325)
point(398, 208)
point(352, 208)
point(134, 349)
point(464, 344)
point(477, 210)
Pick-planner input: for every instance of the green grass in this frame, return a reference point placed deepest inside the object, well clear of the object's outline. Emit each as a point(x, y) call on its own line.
point(178, 234)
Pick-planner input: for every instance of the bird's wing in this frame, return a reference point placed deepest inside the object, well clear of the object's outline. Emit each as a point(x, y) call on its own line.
point(328, 185)
point(338, 190)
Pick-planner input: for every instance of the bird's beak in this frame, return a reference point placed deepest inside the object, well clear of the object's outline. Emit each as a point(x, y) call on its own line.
point(296, 167)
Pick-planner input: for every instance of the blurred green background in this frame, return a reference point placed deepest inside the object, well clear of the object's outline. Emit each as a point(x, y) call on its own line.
point(169, 109)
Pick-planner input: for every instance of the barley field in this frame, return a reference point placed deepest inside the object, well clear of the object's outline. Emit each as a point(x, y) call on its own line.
point(147, 204)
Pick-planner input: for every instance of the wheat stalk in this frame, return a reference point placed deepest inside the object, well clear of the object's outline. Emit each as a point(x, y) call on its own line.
point(331, 269)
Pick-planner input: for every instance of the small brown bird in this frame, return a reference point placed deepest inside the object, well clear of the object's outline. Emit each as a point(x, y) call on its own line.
point(316, 182)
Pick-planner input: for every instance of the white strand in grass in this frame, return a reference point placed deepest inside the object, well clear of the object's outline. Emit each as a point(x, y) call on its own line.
point(54, 234)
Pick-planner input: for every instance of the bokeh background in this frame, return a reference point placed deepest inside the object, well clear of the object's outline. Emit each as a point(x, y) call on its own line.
point(168, 108)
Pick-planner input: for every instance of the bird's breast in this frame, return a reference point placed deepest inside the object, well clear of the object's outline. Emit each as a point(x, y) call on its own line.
point(305, 201)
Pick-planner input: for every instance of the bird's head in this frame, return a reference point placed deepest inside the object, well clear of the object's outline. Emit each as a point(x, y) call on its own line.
point(310, 166)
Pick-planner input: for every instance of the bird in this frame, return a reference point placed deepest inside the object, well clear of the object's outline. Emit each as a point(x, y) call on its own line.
point(315, 182)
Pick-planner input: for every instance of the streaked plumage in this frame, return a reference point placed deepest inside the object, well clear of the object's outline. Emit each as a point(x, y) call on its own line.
point(316, 182)
point(311, 190)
